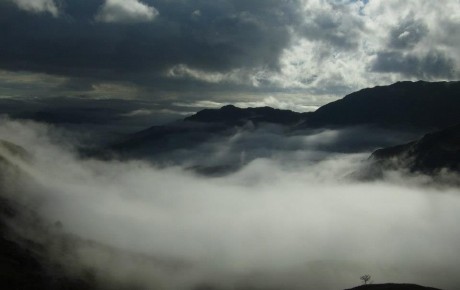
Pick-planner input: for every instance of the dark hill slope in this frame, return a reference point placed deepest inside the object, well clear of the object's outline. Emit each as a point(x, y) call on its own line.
point(24, 263)
point(419, 104)
point(392, 287)
point(233, 115)
point(431, 153)
point(410, 104)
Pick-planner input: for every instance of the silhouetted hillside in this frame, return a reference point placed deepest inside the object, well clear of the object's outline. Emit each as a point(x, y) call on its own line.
point(433, 152)
point(24, 264)
point(413, 104)
point(419, 104)
point(233, 115)
point(392, 287)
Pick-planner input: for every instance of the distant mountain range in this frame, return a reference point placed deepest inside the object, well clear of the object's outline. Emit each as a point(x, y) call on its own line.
point(432, 105)
point(232, 115)
point(409, 104)
point(418, 106)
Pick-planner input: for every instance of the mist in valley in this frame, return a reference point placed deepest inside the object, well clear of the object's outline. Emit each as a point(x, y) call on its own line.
point(290, 218)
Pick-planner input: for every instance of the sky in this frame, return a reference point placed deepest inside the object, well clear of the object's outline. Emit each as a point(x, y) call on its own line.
point(291, 54)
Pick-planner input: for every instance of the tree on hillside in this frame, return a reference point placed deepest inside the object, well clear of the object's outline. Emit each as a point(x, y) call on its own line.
point(365, 278)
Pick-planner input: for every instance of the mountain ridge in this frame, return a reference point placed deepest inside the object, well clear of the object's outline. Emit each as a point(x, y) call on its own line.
point(418, 106)
point(231, 114)
point(413, 104)
point(431, 153)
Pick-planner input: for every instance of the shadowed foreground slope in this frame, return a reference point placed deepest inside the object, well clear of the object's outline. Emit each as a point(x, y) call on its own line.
point(392, 287)
point(24, 263)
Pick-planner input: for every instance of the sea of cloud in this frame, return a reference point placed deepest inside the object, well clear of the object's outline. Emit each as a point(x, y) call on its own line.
point(276, 223)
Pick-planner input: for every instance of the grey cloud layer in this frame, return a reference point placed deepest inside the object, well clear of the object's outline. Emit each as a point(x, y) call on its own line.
point(317, 47)
point(408, 33)
point(434, 64)
point(228, 34)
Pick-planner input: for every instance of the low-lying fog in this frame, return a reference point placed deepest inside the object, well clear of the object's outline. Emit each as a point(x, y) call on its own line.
point(278, 223)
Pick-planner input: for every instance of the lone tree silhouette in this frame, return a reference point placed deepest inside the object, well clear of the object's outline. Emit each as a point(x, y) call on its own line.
point(365, 278)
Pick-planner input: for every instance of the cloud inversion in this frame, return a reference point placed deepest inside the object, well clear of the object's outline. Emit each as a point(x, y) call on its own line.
point(274, 224)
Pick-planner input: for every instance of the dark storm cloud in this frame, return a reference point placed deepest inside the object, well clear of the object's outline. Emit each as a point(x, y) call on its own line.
point(434, 64)
point(177, 49)
point(336, 28)
point(222, 36)
point(408, 33)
